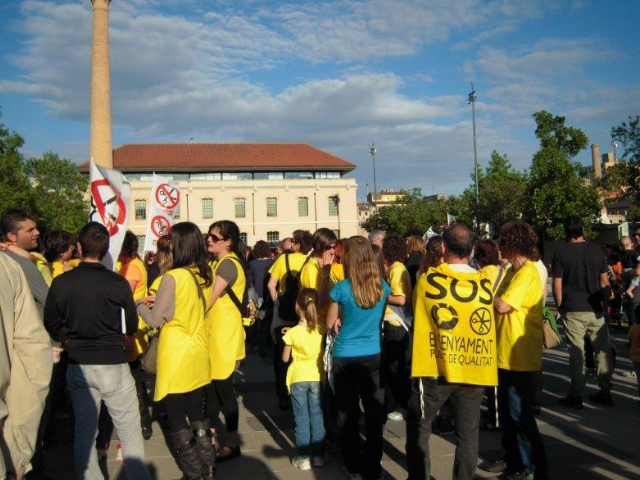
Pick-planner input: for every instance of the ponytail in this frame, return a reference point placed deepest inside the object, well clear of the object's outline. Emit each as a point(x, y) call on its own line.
point(307, 301)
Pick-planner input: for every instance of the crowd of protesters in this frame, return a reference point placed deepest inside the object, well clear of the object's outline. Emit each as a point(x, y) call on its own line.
point(386, 328)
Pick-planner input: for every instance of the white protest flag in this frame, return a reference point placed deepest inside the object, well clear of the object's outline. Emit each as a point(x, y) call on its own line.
point(428, 234)
point(165, 198)
point(110, 194)
point(450, 219)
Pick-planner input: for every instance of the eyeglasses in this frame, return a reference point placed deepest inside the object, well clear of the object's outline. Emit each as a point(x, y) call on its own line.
point(214, 238)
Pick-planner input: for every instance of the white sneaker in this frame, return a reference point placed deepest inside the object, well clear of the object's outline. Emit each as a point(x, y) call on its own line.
point(395, 416)
point(303, 463)
point(320, 461)
point(629, 374)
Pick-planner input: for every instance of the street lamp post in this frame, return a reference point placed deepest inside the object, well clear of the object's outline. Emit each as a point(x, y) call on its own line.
point(472, 101)
point(373, 152)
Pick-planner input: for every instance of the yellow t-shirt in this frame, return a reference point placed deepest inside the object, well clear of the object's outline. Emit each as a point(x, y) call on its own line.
point(136, 271)
point(183, 358)
point(519, 332)
point(43, 267)
point(454, 328)
point(279, 268)
point(400, 283)
point(307, 348)
point(225, 330)
point(311, 277)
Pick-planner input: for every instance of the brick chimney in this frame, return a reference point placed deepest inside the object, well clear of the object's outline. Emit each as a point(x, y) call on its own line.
point(101, 146)
point(595, 157)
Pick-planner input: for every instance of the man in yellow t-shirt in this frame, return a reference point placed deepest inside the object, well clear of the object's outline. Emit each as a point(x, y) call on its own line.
point(454, 354)
point(520, 342)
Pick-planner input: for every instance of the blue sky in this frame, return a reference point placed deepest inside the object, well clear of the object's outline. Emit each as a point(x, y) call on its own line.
point(335, 74)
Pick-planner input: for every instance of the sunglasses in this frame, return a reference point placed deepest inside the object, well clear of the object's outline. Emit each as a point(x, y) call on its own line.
point(214, 238)
point(333, 245)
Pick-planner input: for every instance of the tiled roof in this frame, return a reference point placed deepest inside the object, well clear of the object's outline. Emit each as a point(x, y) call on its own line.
point(224, 157)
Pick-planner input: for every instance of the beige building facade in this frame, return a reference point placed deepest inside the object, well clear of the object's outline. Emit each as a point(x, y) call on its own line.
point(269, 190)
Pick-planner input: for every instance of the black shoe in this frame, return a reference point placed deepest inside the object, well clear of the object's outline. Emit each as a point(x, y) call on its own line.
point(147, 432)
point(572, 401)
point(493, 466)
point(602, 397)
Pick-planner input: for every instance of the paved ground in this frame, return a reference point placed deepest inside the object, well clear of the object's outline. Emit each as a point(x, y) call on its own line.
point(596, 442)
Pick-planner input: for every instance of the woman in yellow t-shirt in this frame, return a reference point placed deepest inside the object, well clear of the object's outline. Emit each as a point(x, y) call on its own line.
point(395, 341)
point(183, 360)
point(225, 331)
point(519, 345)
point(316, 273)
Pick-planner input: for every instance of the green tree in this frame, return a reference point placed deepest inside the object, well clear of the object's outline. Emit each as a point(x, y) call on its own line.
point(58, 191)
point(501, 192)
point(412, 211)
point(624, 177)
point(15, 189)
point(555, 187)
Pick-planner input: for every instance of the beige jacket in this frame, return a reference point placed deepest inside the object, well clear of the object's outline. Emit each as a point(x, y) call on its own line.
point(25, 369)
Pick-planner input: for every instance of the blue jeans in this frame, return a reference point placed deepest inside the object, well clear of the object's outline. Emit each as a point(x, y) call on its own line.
point(521, 438)
point(306, 400)
point(465, 401)
point(359, 378)
point(88, 385)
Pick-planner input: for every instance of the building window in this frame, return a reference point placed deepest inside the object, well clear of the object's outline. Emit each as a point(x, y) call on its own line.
point(272, 207)
point(141, 209)
point(141, 240)
point(268, 175)
point(303, 207)
point(243, 237)
point(240, 208)
point(273, 238)
point(298, 175)
point(207, 208)
point(333, 205)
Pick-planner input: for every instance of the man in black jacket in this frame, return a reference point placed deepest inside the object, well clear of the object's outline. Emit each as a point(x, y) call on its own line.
point(93, 307)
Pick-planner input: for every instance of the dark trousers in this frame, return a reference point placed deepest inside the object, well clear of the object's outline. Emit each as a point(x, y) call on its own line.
point(397, 385)
point(358, 378)
point(183, 406)
point(521, 438)
point(221, 397)
point(465, 402)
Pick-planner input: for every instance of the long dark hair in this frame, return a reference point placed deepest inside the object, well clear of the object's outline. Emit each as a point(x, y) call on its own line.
point(230, 231)
point(188, 249)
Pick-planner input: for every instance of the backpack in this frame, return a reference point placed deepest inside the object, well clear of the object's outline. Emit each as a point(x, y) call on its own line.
point(247, 307)
point(287, 304)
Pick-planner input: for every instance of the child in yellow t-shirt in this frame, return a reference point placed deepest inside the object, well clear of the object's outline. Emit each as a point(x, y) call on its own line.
point(305, 343)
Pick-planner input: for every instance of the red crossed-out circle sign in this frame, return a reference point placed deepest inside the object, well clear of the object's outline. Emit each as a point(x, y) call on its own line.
point(167, 196)
point(160, 225)
point(109, 205)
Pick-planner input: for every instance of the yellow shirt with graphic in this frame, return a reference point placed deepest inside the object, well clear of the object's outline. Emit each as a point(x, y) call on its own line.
point(400, 283)
point(454, 328)
point(519, 332)
point(307, 348)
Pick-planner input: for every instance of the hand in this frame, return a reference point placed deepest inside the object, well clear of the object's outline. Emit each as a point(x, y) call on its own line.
point(3, 246)
point(149, 301)
point(327, 257)
point(336, 326)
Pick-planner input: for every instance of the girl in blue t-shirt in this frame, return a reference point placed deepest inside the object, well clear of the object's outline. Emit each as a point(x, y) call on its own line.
point(305, 342)
point(360, 302)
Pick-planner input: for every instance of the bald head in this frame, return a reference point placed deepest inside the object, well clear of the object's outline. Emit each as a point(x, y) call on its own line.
point(458, 241)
